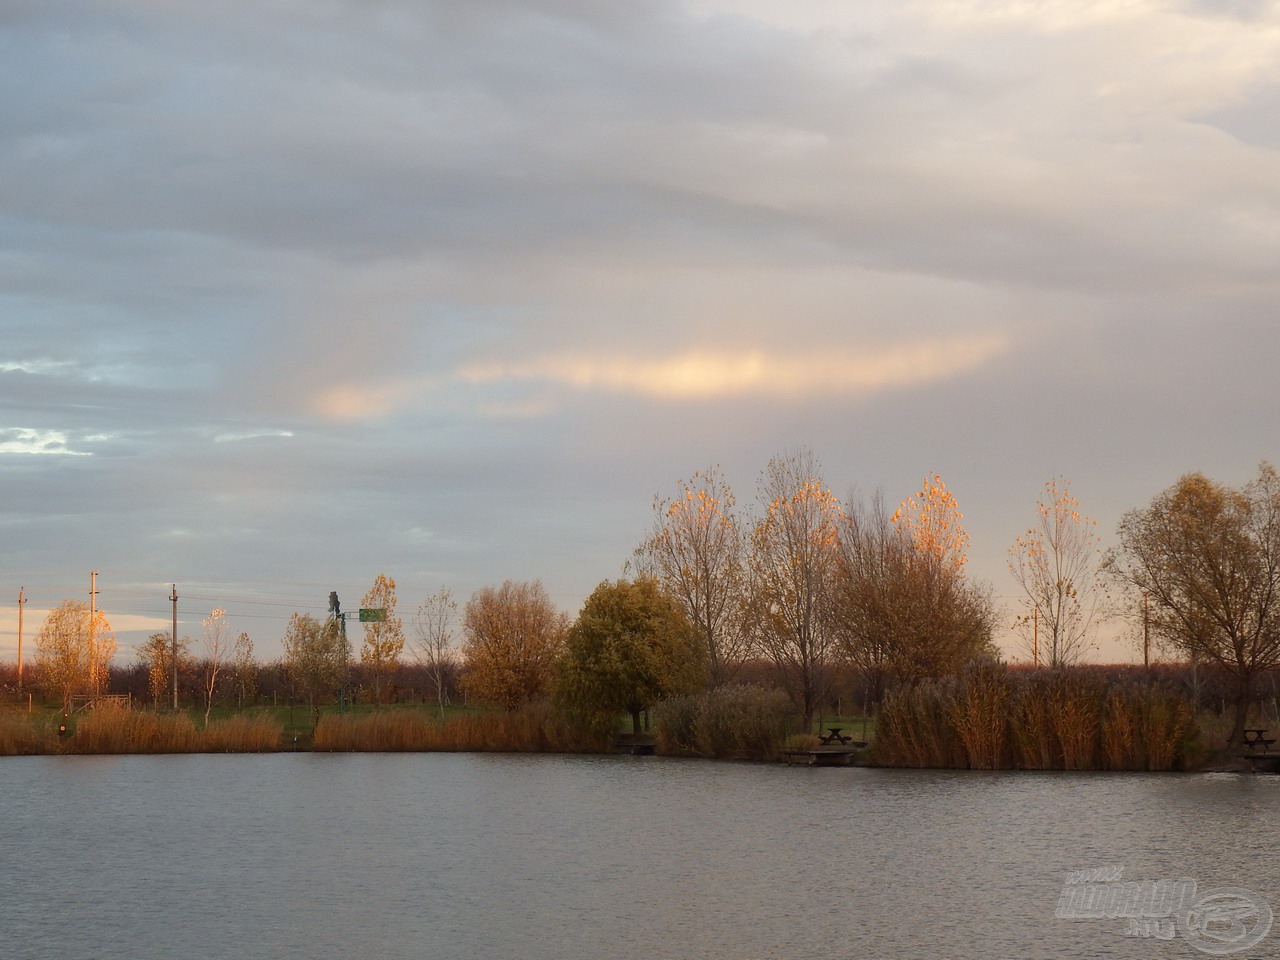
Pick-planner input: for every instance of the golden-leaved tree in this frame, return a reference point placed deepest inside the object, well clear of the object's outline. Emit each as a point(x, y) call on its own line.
point(513, 636)
point(73, 654)
point(697, 549)
point(384, 637)
point(793, 561)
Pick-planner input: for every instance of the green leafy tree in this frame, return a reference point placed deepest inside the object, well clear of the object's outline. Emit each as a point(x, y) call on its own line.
point(318, 658)
point(630, 647)
point(1208, 557)
point(384, 638)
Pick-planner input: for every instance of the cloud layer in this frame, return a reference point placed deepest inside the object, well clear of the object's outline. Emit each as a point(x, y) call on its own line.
point(297, 293)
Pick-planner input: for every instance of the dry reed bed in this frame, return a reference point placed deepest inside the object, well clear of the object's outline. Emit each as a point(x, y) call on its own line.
point(117, 731)
point(531, 730)
point(988, 718)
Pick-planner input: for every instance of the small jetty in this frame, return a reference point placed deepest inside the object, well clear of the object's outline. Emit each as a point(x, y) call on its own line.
point(826, 756)
point(636, 744)
point(835, 749)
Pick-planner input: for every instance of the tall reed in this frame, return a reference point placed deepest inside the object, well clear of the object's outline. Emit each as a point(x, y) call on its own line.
point(1064, 720)
point(533, 729)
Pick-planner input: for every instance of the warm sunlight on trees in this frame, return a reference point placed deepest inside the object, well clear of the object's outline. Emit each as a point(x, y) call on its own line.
point(793, 555)
point(318, 657)
point(434, 628)
point(1208, 556)
point(513, 636)
point(905, 613)
point(630, 647)
point(1057, 564)
point(383, 639)
point(216, 646)
point(932, 518)
point(697, 549)
point(72, 659)
point(156, 654)
point(245, 669)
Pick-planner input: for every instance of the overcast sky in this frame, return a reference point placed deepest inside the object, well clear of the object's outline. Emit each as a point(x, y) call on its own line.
point(295, 292)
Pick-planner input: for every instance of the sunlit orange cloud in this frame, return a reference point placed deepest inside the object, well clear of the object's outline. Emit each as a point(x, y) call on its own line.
point(703, 375)
point(351, 401)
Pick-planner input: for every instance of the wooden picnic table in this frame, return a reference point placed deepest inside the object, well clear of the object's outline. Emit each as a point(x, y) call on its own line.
point(1255, 738)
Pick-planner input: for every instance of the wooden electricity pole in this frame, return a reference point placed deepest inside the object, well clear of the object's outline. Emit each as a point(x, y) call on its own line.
point(93, 615)
point(173, 596)
point(22, 599)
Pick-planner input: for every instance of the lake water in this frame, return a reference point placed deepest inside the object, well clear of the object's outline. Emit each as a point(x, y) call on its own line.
point(492, 856)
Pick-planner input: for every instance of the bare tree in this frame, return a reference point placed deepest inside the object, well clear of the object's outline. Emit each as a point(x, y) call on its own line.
point(216, 645)
point(434, 628)
point(697, 550)
point(793, 557)
point(1058, 565)
point(1208, 556)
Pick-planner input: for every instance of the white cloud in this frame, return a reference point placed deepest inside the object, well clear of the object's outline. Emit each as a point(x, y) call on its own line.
point(39, 442)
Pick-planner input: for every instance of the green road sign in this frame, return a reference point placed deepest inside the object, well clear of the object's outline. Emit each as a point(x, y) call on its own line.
point(373, 614)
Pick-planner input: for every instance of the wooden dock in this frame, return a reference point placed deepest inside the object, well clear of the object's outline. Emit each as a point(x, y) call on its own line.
point(831, 756)
point(1262, 762)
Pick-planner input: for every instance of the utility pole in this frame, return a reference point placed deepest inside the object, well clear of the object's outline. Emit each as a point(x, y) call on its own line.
point(173, 596)
point(93, 615)
point(22, 599)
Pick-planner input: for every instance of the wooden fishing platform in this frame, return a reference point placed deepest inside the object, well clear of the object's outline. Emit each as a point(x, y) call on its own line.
point(826, 756)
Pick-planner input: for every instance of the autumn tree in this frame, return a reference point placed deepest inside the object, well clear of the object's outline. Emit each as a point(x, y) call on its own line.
point(1208, 557)
point(434, 628)
point(318, 656)
point(72, 654)
point(697, 549)
point(216, 645)
point(630, 647)
point(1058, 564)
point(245, 669)
point(156, 654)
point(932, 520)
point(793, 556)
point(383, 637)
point(905, 610)
point(513, 635)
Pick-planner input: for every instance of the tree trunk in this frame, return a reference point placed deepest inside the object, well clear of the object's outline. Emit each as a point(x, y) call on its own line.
point(635, 720)
point(1244, 700)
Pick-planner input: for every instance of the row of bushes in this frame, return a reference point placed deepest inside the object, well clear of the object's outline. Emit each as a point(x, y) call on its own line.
point(738, 723)
point(989, 718)
point(121, 730)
